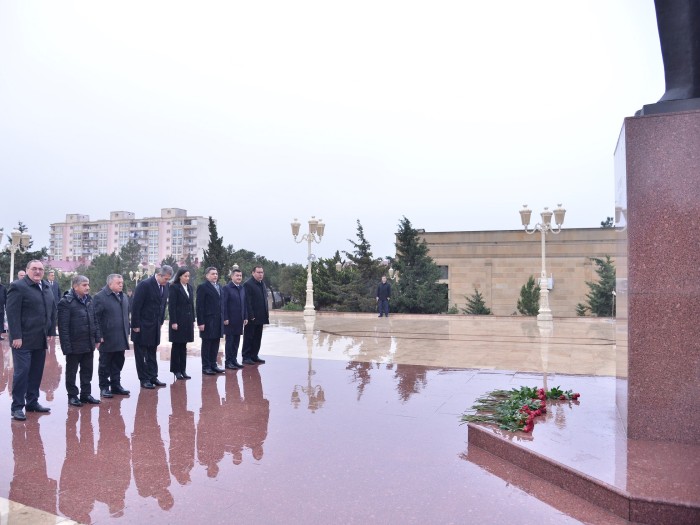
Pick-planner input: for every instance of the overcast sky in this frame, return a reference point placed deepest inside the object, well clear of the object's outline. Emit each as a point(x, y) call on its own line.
point(454, 114)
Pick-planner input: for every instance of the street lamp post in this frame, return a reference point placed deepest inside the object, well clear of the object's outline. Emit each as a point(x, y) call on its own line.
point(315, 234)
point(545, 227)
point(19, 242)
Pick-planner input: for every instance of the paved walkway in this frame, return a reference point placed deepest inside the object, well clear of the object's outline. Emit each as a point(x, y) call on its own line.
point(354, 419)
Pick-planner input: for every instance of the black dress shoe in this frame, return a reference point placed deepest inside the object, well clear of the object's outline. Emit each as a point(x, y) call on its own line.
point(156, 382)
point(147, 384)
point(218, 370)
point(74, 402)
point(259, 361)
point(38, 408)
point(119, 391)
point(185, 376)
point(237, 364)
point(248, 362)
point(18, 415)
point(231, 366)
point(178, 375)
point(105, 392)
point(209, 372)
point(89, 400)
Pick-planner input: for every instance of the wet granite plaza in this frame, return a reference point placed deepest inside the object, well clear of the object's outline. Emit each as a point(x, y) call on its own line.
point(353, 419)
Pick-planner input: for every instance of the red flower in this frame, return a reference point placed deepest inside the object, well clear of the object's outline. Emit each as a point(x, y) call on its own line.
point(576, 396)
point(562, 397)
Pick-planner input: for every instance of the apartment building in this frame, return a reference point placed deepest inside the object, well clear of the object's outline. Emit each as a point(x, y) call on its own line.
point(173, 233)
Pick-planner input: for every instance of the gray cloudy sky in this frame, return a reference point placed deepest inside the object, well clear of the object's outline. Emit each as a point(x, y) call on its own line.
point(452, 113)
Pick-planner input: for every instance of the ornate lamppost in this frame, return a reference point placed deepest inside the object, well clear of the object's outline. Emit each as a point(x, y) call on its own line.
point(545, 227)
point(19, 242)
point(315, 234)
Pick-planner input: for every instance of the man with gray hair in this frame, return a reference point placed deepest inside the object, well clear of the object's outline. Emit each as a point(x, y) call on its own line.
point(79, 335)
point(112, 313)
point(147, 317)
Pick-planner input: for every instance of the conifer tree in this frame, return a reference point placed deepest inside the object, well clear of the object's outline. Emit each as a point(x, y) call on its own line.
point(216, 254)
point(476, 305)
point(600, 298)
point(529, 301)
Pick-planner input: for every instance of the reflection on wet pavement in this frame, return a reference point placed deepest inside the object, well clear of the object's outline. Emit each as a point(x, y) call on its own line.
point(351, 420)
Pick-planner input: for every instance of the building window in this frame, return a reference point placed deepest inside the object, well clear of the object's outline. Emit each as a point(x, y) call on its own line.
point(444, 272)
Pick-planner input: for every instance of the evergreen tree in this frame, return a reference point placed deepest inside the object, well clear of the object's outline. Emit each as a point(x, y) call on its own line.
point(172, 262)
point(102, 266)
point(600, 298)
point(418, 289)
point(581, 309)
point(476, 304)
point(130, 256)
point(216, 254)
point(358, 295)
point(607, 223)
point(21, 259)
point(529, 301)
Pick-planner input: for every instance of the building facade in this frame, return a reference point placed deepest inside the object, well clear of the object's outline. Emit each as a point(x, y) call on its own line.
point(175, 233)
point(498, 264)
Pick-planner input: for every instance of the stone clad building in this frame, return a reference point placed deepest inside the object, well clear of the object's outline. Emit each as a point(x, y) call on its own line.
point(498, 264)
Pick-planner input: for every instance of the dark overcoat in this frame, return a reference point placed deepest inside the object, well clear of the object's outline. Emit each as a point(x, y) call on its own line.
point(148, 312)
point(181, 312)
point(113, 319)
point(31, 313)
point(235, 309)
point(256, 301)
point(210, 311)
point(77, 328)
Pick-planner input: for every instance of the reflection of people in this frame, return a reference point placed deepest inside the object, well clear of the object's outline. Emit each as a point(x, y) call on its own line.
point(258, 316)
point(182, 435)
point(53, 371)
point(31, 318)
point(181, 313)
point(210, 320)
point(30, 483)
point(113, 456)
point(235, 410)
point(257, 412)
point(235, 314)
point(147, 316)
point(79, 335)
point(211, 436)
point(79, 477)
point(151, 473)
point(383, 295)
point(112, 314)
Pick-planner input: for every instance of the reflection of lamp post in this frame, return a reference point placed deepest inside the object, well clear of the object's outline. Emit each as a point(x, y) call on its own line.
point(315, 393)
point(315, 234)
point(545, 313)
point(19, 242)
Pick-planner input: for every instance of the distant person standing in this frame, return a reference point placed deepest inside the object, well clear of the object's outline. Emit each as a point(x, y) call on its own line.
point(258, 316)
point(112, 314)
point(3, 300)
point(79, 335)
point(235, 313)
point(210, 320)
point(181, 313)
point(53, 286)
point(383, 295)
point(31, 319)
point(21, 274)
point(147, 317)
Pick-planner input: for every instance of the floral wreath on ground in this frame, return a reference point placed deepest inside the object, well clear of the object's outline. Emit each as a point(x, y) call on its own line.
point(515, 410)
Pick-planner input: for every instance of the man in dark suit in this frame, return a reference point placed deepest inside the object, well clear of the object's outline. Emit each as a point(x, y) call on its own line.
point(112, 313)
point(210, 320)
point(235, 313)
point(3, 300)
point(258, 316)
point(31, 319)
point(147, 317)
point(53, 286)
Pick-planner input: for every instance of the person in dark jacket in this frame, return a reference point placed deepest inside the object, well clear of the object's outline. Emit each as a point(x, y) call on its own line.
point(210, 320)
point(31, 319)
point(147, 317)
point(181, 313)
point(258, 316)
point(79, 335)
point(3, 300)
point(383, 294)
point(112, 314)
point(53, 285)
point(235, 313)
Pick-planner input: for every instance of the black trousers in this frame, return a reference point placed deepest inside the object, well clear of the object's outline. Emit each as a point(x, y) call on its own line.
point(178, 358)
point(109, 369)
point(146, 362)
point(210, 349)
point(232, 342)
point(29, 369)
point(252, 337)
point(83, 361)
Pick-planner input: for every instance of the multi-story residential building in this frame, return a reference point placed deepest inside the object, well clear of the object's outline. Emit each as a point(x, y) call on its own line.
point(173, 233)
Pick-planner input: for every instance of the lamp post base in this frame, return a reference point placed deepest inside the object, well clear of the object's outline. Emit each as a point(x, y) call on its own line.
point(544, 316)
point(309, 312)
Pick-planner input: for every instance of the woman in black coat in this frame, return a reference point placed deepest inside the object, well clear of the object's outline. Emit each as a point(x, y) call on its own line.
point(181, 313)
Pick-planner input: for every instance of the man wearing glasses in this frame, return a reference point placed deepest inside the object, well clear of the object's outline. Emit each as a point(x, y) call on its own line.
point(31, 319)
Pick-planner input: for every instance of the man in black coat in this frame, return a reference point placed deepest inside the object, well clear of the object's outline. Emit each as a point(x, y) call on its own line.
point(3, 300)
point(258, 316)
point(112, 314)
point(79, 335)
point(235, 313)
point(147, 316)
point(31, 318)
point(210, 320)
point(53, 286)
point(383, 295)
